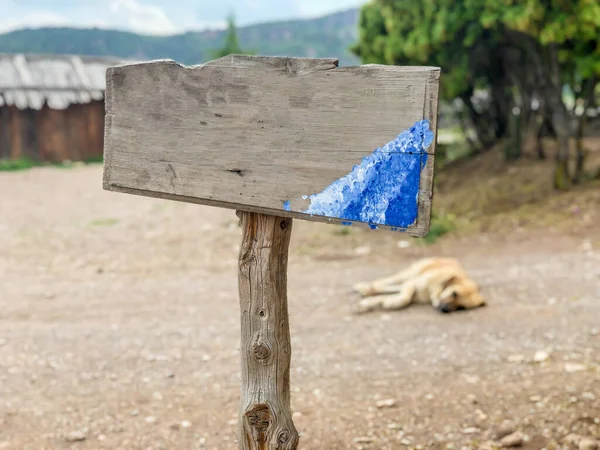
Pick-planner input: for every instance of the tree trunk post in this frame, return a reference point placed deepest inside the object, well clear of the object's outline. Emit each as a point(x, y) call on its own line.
point(539, 138)
point(513, 148)
point(580, 152)
point(265, 421)
point(562, 178)
point(562, 127)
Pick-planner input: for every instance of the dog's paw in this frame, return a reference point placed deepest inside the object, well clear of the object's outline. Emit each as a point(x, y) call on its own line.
point(364, 289)
point(363, 307)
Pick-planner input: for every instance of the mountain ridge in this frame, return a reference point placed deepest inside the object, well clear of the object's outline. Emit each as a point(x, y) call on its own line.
point(322, 37)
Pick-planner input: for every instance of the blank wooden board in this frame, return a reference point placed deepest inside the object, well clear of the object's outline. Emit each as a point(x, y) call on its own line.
point(293, 137)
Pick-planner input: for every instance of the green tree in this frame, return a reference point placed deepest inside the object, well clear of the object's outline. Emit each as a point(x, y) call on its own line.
point(561, 40)
point(401, 33)
point(232, 43)
point(521, 52)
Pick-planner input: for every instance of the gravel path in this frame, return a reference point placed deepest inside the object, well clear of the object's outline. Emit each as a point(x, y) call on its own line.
point(119, 330)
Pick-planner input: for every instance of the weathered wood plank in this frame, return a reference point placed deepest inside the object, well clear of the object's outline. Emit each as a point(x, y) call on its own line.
point(277, 136)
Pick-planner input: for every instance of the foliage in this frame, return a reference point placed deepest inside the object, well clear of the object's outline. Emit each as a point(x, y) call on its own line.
point(328, 36)
point(14, 165)
point(516, 51)
point(18, 164)
point(94, 160)
point(232, 43)
point(342, 230)
point(104, 222)
point(433, 33)
point(441, 224)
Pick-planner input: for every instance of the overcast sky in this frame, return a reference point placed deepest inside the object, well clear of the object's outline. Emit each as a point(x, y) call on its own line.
point(158, 16)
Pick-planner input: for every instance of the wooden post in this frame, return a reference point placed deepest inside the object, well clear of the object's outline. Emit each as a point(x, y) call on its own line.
point(265, 415)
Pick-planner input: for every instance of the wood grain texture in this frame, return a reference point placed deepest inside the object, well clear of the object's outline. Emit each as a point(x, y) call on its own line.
point(252, 133)
point(265, 415)
point(427, 181)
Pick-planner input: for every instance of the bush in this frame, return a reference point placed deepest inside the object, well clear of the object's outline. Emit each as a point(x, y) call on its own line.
point(13, 165)
point(441, 224)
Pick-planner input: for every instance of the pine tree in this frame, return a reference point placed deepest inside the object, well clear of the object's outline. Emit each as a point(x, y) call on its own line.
point(232, 44)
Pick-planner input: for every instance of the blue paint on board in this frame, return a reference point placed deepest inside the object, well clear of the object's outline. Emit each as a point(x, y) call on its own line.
point(287, 206)
point(346, 224)
point(383, 189)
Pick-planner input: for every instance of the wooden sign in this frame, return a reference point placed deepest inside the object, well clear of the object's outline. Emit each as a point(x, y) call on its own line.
point(275, 138)
point(294, 137)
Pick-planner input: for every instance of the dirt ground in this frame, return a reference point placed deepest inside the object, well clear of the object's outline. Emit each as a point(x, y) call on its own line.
point(119, 330)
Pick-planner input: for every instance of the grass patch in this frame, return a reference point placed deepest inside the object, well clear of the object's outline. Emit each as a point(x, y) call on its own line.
point(14, 165)
point(451, 135)
point(104, 222)
point(441, 224)
point(342, 230)
point(448, 153)
point(61, 165)
point(94, 160)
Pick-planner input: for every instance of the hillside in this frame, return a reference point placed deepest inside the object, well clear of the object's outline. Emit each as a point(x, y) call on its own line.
point(328, 36)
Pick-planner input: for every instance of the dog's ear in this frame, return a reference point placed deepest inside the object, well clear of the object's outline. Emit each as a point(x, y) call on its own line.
point(450, 294)
point(449, 282)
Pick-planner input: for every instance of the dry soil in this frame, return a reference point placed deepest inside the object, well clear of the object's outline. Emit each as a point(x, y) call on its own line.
point(119, 330)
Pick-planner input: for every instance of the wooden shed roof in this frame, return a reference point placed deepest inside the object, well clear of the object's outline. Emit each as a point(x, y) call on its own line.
point(31, 80)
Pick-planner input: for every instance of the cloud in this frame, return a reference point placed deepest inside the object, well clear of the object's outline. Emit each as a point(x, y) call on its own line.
point(158, 16)
point(143, 18)
point(33, 19)
point(24, 16)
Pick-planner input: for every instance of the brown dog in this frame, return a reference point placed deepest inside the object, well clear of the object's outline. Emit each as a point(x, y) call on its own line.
point(440, 281)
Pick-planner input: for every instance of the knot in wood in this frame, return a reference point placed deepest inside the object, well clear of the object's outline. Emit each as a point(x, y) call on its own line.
point(261, 351)
point(259, 418)
point(283, 224)
point(283, 437)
